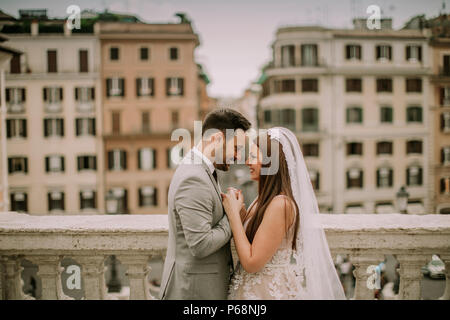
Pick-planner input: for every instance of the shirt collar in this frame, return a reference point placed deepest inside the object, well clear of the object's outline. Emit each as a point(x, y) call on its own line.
point(208, 162)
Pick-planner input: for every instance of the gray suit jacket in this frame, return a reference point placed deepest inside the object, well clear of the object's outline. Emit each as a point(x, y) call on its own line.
point(198, 263)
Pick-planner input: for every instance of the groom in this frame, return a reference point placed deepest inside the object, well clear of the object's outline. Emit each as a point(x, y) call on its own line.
point(198, 263)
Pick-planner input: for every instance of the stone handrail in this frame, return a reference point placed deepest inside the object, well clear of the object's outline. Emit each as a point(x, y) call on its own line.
point(46, 240)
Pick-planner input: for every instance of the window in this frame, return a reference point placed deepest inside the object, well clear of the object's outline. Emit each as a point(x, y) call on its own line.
point(414, 176)
point(175, 118)
point(287, 56)
point(314, 176)
point(19, 201)
point(446, 63)
point(310, 149)
point(267, 116)
point(174, 86)
point(384, 177)
point(143, 54)
point(310, 85)
point(113, 53)
point(173, 53)
point(414, 146)
point(145, 87)
point(286, 85)
point(16, 128)
point(54, 163)
point(117, 160)
point(15, 64)
point(86, 163)
point(445, 155)
point(310, 119)
point(121, 194)
point(55, 200)
point(146, 159)
point(52, 65)
point(354, 178)
point(88, 199)
point(287, 118)
point(115, 122)
point(115, 87)
point(353, 85)
point(145, 122)
point(174, 155)
point(444, 98)
point(52, 97)
point(413, 53)
point(148, 197)
point(53, 127)
point(17, 165)
point(445, 185)
point(83, 59)
point(15, 98)
point(384, 85)
point(445, 122)
point(386, 115)
point(353, 52)
point(354, 148)
point(84, 94)
point(354, 115)
point(414, 114)
point(383, 52)
point(414, 85)
point(309, 55)
point(384, 147)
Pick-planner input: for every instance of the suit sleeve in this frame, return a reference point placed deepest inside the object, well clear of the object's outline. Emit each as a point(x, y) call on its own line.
point(194, 205)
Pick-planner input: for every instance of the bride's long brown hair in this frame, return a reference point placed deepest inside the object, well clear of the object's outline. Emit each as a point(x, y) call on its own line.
point(271, 185)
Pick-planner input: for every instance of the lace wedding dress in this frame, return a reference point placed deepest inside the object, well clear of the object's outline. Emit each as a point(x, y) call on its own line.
point(279, 279)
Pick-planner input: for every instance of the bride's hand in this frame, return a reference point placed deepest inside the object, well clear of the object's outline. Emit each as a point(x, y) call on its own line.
point(232, 202)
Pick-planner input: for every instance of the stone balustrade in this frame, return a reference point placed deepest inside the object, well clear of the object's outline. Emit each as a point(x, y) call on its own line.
point(46, 240)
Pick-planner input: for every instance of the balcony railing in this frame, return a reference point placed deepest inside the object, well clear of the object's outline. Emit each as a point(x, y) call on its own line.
point(46, 240)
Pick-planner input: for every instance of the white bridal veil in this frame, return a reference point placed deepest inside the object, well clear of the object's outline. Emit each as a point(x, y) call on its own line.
point(313, 257)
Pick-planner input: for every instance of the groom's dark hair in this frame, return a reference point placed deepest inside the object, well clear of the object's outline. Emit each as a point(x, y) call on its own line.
point(223, 119)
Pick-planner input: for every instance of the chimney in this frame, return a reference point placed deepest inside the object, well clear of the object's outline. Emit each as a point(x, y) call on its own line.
point(34, 27)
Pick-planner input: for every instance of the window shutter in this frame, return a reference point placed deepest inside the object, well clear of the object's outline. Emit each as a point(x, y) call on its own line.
point(79, 163)
point(10, 168)
point(154, 158)
point(181, 86)
point(61, 94)
point(391, 177)
point(318, 180)
point(407, 176)
point(24, 127)
point(390, 52)
point(138, 87)
point(23, 94)
point(62, 163)
point(108, 87)
point(93, 127)
point(44, 93)
point(62, 127)
point(361, 177)
point(80, 195)
point(77, 127)
point(94, 159)
point(420, 53)
point(47, 164)
point(8, 128)
point(152, 86)
point(125, 200)
point(348, 179)
point(378, 52)
point(76, 94)
point(7, 94)
point(168, 86)
point(25, 161)
point(122, 86)
point(378, 178)
point(347, 48)
point(110, 160)
point(442, 155)
point(408, 52)
point(93, 93)
point(123, 155)
point(155, 197)
point(139, 159)
point(420, 176)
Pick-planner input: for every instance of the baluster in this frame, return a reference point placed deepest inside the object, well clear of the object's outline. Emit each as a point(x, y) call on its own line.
point(50, 273)
point(362, 263)
point(93, 273)
point(411, 275)
point(446, 259)
point(137, 272)
point(12, 287)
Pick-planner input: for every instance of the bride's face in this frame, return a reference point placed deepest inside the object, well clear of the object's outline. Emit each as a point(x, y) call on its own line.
point(254, 162)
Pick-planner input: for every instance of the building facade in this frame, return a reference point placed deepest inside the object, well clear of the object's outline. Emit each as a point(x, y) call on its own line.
point(358, 101)
point(53, 119)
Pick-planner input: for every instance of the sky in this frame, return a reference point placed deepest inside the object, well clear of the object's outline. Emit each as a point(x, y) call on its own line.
point(236, 35)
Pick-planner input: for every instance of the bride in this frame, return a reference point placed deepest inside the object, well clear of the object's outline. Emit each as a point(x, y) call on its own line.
point(282, 249)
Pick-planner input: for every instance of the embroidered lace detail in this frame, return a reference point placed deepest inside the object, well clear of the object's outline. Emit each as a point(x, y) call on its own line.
point(280, 278)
